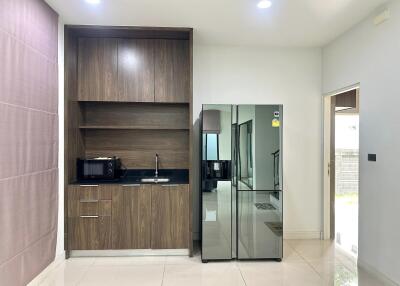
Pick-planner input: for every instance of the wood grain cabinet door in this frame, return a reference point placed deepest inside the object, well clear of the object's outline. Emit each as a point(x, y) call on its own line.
point(89, 217)
point(131, 219)
point(172, 71)
point(170, 217)
point(97, 69)
point(136, 70)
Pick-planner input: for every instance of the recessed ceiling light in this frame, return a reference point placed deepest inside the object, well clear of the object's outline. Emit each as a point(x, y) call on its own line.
point(94, 2)
point(264, 4)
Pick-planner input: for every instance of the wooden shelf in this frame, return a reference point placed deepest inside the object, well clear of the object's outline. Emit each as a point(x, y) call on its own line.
point(119, 127)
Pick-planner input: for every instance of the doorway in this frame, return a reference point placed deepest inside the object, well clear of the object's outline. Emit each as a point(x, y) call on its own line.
point(341, 166)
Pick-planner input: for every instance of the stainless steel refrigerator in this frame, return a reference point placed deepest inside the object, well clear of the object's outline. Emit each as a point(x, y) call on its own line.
point(241, 182)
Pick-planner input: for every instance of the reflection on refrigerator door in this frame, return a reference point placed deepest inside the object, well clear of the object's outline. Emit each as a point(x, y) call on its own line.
point(259, 224)
point(216, 240)
point(216, 183)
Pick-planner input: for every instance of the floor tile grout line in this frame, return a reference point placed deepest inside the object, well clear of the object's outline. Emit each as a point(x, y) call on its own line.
point(308, 263)
point(339, 257)
point(347, 267)
point(48, 274)
point(84, 274)
point(162, 281)
point(241, 274)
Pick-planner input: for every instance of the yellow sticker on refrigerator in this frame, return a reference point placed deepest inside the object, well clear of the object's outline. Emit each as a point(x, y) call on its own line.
point(276, 122)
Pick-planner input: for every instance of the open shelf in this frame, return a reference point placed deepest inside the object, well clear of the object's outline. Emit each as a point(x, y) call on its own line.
point(131, 116)
point(131, 127)
point(137, 148)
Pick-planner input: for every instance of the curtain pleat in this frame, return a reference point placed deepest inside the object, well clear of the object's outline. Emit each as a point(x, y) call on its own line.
point(28, 139)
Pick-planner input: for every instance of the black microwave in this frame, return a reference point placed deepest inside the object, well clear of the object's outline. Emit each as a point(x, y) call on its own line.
point(99, 169)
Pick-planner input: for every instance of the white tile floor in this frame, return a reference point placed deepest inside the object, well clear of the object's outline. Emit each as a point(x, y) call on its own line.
point(306, 262)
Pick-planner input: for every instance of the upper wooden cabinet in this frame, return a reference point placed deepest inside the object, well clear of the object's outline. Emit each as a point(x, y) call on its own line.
point(135, 70)
point(172, 71)
point(97, 69)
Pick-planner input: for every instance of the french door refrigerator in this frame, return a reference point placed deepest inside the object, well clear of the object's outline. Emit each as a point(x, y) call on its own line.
point(241, 182)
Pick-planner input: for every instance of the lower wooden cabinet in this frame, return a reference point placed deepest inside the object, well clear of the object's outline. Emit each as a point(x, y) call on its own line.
point(128, 217)
point(131, 217)
point(170, 217)
point(89, 217)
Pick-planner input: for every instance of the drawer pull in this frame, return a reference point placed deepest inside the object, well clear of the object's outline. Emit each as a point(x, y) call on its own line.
point(171, 185)
point(89, 201)
point(87, 186)
point(132, 185)
point(89, 216)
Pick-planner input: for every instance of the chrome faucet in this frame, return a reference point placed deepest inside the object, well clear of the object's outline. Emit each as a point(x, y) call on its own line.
point(156, 174)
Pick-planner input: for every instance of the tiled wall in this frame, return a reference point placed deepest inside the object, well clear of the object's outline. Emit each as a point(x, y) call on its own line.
point(28, 139)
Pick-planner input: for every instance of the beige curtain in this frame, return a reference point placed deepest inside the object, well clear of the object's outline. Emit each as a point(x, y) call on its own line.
point(28, 139)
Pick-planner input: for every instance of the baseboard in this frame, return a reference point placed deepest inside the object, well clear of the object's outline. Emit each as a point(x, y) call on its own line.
point(301, 234)
point(374, 272)
point(39, 279)
point(129, 252)
point(286, 235)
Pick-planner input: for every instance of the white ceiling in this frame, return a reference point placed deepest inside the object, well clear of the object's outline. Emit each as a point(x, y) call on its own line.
point(229, 22)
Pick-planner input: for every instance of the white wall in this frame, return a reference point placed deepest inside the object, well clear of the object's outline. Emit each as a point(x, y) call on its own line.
point(370, 55)
point(292, 77)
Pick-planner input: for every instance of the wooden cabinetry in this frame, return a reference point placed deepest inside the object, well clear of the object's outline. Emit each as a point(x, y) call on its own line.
point(89, 217)
point(172, 71)
point(128, 93)
point(131, 217)
point(128, 217)
point(135, 70)
point(170, 217)
point(97, 69)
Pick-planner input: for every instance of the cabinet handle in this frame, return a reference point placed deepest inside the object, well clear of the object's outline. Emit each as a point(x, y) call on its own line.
point(89, 216)
point(89, 201)
point(132, 185)
point(171, 185)
point(87, 186)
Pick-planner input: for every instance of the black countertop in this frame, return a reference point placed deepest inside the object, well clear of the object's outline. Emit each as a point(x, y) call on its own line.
point(134, 176)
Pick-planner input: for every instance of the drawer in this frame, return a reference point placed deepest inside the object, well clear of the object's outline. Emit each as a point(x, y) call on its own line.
point(90, 200)
point(88, 208)
point(91, 192)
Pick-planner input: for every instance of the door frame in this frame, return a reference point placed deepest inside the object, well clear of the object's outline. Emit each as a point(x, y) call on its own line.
point(327, 149)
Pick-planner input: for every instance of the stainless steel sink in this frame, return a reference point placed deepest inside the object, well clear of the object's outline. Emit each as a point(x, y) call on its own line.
point(155, 180)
